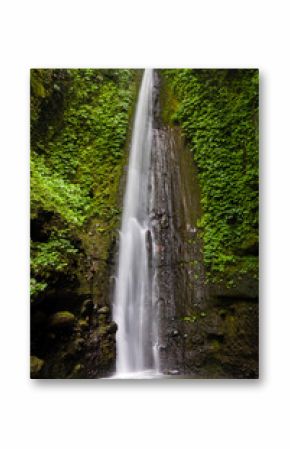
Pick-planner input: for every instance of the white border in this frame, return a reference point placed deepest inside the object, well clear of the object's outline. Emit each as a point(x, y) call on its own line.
point(89, 33)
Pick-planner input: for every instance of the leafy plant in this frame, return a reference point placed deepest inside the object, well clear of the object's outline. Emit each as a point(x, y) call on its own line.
point(79, 125)
point(218, 112)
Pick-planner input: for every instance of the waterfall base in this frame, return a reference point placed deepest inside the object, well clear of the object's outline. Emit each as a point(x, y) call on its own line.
point(146, 374)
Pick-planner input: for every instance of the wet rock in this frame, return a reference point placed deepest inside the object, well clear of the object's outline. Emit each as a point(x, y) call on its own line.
point(162, 348)
point(174, 333)
point(112, 328)
point(93, 340)
point(36, 366)
point(87, 307)
point(104, 310)
point(62, 320)
point(191, 230)
point(164, 223)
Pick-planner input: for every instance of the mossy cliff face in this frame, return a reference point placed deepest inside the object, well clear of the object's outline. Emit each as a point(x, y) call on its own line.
point(217, 111)
point(222, 341)
point(80, 126)
point(208, 316)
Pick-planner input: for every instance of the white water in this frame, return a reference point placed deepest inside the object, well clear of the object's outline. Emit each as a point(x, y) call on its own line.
point(133, 307)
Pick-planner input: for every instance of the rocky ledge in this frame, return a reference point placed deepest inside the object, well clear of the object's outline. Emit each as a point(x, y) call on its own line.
point(76, 344)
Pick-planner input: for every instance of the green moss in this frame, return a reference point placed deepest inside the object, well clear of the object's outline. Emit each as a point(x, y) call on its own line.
point(63, 319)
point(218, 112)
point(168, 102)
point(79, 128)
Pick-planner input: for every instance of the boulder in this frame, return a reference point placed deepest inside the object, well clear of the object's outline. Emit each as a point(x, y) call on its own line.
point(104, 310)
point(62, 320)
point(112, 328)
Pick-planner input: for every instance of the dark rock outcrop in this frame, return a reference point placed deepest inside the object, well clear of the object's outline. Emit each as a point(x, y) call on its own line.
point(206, 331)
point(74, 344)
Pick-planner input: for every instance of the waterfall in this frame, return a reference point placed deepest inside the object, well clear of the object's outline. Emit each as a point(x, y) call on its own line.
point(134, 301)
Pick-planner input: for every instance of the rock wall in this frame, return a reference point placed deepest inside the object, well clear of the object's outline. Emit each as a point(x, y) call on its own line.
point(73, 337)
point(205, 331)
point(80, 133)
point(72, 332)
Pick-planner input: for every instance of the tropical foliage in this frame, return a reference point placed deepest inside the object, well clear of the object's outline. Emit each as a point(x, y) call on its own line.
point(79, 125)
point(218, 112)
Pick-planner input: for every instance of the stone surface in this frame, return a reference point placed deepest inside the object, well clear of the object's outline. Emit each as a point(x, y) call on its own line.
point(76, 344)
point(112, 328)
point(104, 310)
point(87, 307)
point(220, 324)
point(62, 320)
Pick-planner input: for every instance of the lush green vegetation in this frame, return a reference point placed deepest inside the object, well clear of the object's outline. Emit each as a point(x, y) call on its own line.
point(79, 125)
point(218, 112)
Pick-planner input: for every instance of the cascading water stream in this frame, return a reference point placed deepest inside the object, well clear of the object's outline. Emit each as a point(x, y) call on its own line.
point(134, 305)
